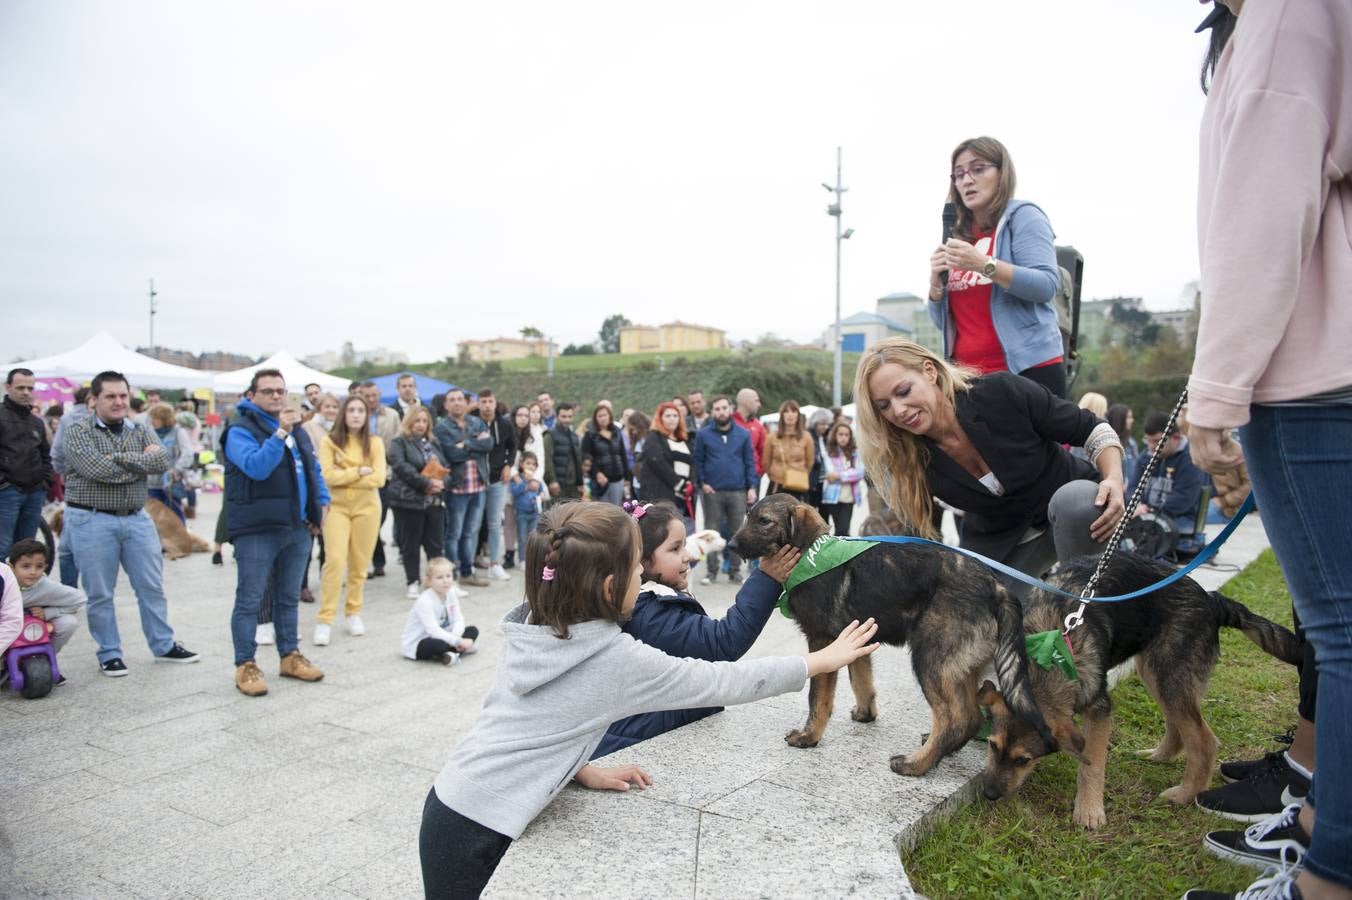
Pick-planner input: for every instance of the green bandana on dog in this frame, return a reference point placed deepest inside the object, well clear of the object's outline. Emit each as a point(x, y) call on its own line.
point(825, 553)
point(1049, 648)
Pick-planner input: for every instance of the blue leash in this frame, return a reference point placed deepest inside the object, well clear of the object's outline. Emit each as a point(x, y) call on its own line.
point(1207, 552)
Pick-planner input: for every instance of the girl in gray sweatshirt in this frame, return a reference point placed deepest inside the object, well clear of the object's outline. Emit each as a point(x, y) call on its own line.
point(565, 672)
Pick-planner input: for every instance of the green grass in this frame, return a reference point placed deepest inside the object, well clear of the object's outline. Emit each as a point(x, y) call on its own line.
point(1027, 846)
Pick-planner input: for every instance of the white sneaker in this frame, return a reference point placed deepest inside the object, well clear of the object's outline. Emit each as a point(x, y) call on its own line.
point(355, 626)
point(265, 634)
point(498, 573)
point(321, 638)
point(449, 658)
point(413, 591)
point(461, 593)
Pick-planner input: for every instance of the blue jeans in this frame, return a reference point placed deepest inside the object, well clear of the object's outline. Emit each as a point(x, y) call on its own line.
point(525, 524)
point(65, 555)
point(494, 506)
point(101, 543)
point(1300, 463)
point(19, 514)
point(281, 556)
point(464, 512)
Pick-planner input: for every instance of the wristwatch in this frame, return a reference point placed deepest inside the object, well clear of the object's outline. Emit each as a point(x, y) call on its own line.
point(988, 269)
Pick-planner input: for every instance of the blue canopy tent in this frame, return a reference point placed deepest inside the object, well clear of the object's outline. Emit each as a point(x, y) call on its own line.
point(427, 387)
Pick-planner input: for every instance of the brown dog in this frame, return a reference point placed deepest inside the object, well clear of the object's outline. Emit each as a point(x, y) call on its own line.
point(175, 539)
point(949, 609)
point(1173, 633)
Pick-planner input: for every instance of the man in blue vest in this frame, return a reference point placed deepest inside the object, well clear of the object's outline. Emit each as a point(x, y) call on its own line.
point(275, 501)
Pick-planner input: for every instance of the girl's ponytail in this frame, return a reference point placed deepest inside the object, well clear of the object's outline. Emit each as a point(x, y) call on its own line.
point(568, 558)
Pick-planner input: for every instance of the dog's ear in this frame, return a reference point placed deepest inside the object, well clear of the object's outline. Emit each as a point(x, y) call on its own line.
point(1069, 739)
point(805, 524)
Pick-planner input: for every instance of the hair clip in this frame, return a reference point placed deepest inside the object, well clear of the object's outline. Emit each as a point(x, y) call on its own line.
point(547, 573)
point(636, 509)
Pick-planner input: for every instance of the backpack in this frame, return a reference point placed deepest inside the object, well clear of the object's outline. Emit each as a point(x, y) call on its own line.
point(1067, 304)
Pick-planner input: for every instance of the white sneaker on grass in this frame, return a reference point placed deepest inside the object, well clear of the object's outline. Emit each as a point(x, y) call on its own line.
point(265, 633)
point(355, 626)
point(321, 638)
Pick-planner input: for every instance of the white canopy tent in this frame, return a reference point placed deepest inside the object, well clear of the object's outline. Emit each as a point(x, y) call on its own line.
point(103, 352)
point(296, 373)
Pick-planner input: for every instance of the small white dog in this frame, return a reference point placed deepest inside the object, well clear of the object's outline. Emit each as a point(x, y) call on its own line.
point(702, 543)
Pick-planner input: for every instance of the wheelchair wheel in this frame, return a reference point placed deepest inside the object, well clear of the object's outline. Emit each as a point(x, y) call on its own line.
point(1151, 536)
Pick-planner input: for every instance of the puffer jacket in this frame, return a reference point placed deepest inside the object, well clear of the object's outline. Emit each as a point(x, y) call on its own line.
point(406, 487)
point(606, 455)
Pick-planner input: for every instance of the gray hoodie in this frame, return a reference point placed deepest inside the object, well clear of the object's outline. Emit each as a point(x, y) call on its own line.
point(553, 700)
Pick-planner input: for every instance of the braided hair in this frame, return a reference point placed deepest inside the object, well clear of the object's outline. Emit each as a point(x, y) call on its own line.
point(570, 554)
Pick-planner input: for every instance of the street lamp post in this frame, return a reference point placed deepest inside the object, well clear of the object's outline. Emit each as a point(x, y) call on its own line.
point(834, 211)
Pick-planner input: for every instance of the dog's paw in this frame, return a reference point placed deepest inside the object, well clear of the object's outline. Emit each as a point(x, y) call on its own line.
point(799, 738)
point(908, 765)
point(867, 714)
point(1179, 794)
point(1157, 754)
point(1091, 819)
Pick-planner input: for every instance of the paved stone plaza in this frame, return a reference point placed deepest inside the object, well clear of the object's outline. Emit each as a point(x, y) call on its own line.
point(169, 783)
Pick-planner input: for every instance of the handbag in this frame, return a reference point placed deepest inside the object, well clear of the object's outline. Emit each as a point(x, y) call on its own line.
point(795, 480)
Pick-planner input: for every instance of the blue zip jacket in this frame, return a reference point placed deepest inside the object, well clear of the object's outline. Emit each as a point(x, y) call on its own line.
point(259, 459)
point(724, 460)
point(1024, 316)
point(678, 626)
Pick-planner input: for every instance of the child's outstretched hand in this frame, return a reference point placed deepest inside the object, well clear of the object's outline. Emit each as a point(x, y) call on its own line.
point(616, 779)
point(779, 564)
point(852, 644)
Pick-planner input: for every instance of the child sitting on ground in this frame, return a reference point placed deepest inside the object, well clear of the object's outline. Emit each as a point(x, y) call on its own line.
point(42, 597)
point(565, 672)
point(528, 497)
point(436, 628)
point(667, 617)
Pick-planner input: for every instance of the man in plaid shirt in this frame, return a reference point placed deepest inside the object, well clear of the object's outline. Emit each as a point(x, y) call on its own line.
point(108, 457)
point(466, 442)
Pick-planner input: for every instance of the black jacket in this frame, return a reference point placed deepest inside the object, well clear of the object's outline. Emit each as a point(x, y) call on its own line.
point(606, 455)
point(659, 480)
point(504, 445)
point(405, 488)
point(25, 457)
point(567, 456)
point(1018, 427)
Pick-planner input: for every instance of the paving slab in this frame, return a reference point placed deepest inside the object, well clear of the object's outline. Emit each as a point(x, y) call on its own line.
point(169, 783)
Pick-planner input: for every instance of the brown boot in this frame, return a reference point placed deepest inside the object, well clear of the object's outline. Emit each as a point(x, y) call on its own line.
point(190, 512)
point(296, 666)
point(249, 680)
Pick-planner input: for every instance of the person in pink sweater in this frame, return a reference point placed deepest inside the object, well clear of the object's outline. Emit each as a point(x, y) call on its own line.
point(1274, 359)
point(11, 608)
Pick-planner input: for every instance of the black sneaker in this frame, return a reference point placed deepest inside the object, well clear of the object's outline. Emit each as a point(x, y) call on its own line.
point(1278, 885)
point(178, 654)
point(509, 560)
point(1260, 797)
point(60, 681)
point(1243, 770)
point(114, 668)
point(1267, 844)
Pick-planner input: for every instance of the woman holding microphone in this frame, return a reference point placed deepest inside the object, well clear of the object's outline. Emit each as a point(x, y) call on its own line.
point(992, 284)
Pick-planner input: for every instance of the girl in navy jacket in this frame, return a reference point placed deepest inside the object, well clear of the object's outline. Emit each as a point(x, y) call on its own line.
point(670, 619)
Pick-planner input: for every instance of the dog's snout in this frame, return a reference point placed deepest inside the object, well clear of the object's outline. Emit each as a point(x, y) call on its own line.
point(733, 545)
point(990, 792)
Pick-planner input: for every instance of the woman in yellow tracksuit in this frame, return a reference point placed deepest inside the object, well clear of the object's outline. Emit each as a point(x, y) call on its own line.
point(353, 462)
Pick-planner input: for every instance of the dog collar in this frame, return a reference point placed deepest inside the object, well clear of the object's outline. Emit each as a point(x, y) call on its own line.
point(822, 555)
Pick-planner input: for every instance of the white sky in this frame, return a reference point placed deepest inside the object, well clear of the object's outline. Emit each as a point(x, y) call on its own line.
point(294, 175)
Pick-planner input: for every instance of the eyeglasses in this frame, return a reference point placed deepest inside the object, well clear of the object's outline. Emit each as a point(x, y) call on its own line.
point(976, 171)
point(271, 392)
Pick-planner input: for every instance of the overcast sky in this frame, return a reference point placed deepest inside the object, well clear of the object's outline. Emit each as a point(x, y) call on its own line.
point(294, 175)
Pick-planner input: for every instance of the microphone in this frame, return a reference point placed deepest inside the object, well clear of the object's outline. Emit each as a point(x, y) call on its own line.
point(950, 221)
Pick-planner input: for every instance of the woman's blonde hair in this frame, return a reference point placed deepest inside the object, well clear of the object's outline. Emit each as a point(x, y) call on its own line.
point(992, 151)
point(411, 416)
point(1095, 402)
point(433, 564)
point(160, 415)
point(895, 459)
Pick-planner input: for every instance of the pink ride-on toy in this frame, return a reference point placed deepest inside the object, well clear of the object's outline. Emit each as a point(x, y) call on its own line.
point(31, 661)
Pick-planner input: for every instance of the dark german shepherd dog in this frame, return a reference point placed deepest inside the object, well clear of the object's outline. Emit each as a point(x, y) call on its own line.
point(950, 609)
point(1174, 633)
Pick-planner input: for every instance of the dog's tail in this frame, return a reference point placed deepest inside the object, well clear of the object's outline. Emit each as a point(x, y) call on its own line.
point(1273, 638)
point(1011, 664)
